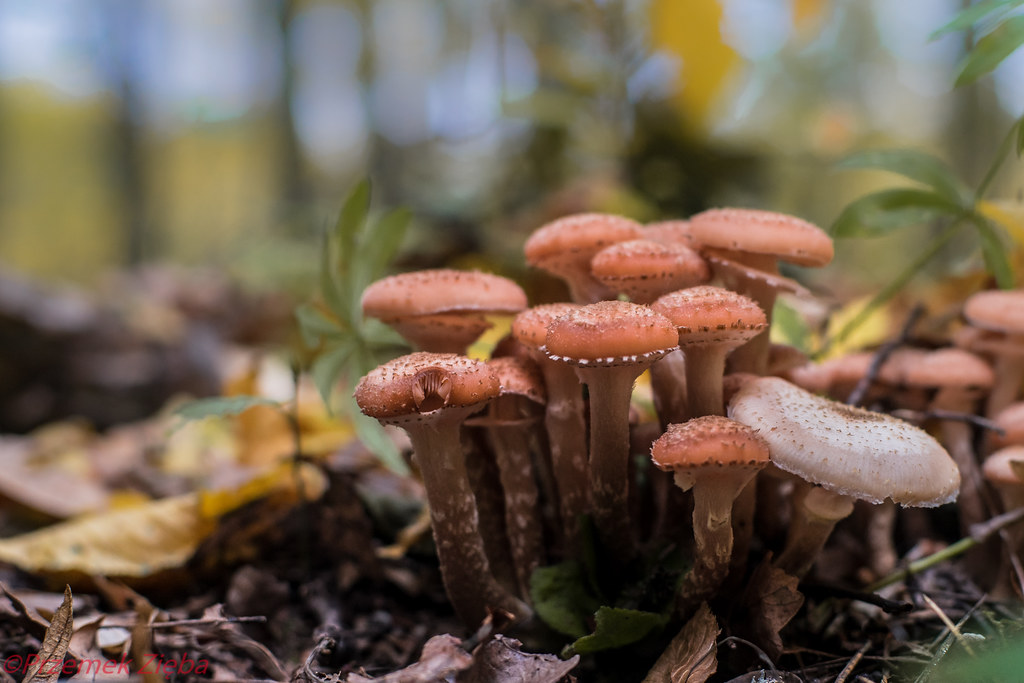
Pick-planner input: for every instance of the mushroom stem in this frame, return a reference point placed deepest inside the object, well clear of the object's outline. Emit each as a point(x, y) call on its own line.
point(467, 575)
point(566, 425)
point(510, 441)
point(713, 498)
point(816, 511)
point(610, 392)
point(668, 384)
point(1009, 372)
point(705, 365)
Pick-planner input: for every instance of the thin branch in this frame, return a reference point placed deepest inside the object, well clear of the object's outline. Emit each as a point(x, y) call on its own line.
point(883, 353)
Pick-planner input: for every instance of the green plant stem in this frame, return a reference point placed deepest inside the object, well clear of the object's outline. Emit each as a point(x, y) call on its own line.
point(894, 286)
point(979, 534)
point(997, 163)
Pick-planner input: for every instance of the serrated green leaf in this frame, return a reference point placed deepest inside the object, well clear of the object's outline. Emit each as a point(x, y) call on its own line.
point(379, 243)
point(993, 249)
point(991, 50)
point(351, 219)
point(882, 212)
point(918, 166)
point(221, 406)
point(617, 627)
point(314, 325)
point(372, 435)
point(328, 366)
point(330, 288)
point(560, 598)
point(974, 14)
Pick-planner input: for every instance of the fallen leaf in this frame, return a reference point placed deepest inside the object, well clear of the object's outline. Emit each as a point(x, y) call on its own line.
point(142, 540)
point(691, 657)
point(49, 662)
point(771, 601)
point(55, 491)
point(442, 656)
point(500, 660)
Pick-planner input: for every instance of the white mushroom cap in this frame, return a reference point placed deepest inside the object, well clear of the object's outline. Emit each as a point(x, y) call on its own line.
point(855, 452)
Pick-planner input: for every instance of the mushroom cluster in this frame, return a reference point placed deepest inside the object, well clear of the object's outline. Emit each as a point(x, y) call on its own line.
point(744, 429)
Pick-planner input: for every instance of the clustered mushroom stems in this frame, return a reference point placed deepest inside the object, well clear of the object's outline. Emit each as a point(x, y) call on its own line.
point(587, 447)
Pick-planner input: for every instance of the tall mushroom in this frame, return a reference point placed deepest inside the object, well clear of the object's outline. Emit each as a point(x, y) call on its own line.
point(564, 248)
point(744, 247)
point(441, 310)
point(610, 344)
point(429, 395)
point(847, 451)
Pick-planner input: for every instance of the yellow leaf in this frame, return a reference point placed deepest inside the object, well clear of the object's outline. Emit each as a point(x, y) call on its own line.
point(1008, 214)
point(691, 31)
point(144, 539)
point(876, 329)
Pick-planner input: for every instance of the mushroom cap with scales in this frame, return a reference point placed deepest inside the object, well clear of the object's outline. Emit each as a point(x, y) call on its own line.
point(706, 446)
point(768, 233)
point(847, 450)
point(610, 333)
point(441, 290)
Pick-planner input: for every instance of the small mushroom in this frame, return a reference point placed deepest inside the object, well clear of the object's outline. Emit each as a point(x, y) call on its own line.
point(643, 270)
point(716, 457)
point(610, 344)
point(1001, 311)
point(845, 450)
point(429, 395)
point(441, 310)
point(711, 322)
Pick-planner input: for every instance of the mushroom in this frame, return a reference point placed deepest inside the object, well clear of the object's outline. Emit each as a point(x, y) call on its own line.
point(509, 422)
point(564, 417)
point(643, 270)
point(610, 344)
point(1004, 469)
point(745, 246)
point(441, 310)
point(847, 451)
point(564, 248)
point(716, 457)
point(711, 322)
point(1001, 311)
point(429, 395)
point(1011, 421)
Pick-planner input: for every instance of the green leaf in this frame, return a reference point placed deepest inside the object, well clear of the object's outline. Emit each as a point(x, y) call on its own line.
point(330, 288)
point(1020, 136)
point(561, 599)
point(221, 406)
point(882, 212)
point(991, 50)
point(327, 368)
point(314, 325)
point(617, 627)
point(377, 246)
point(351, 220)
point(973, 14)
point(993, 249)
point(372, 435)
point(918, 166)
point(791, 325)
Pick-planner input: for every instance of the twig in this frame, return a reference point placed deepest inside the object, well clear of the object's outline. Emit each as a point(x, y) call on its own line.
point(882, 354)
point(852, 664)
point(950, 626)
point(979, 534)
point(885, 604)
point(919, 416)
point(208, 622)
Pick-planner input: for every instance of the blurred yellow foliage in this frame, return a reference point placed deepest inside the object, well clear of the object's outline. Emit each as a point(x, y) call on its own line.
point(691, 31)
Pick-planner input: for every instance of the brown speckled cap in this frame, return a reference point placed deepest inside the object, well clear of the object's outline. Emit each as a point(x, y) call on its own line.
point(1005, 467)
point(643, 269)
point(711, 442)
point(441, 290)
point(763, 232)
point(530, 327)
point(564, 247)
point(854, 452)
point(673, 231)
point(707, 315)
point(519, 377)
point(997, 310)
point(948, 367)
point(418, 383)
point(610, 333)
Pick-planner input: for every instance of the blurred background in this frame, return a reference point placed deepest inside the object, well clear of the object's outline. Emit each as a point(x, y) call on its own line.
point(226, 133)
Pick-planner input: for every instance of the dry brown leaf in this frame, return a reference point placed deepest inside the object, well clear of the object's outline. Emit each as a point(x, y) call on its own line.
point(49, 662)
point(771, 600)
point(691, 656)
point(53, 490)
point(500, 660)
point(442, 656)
